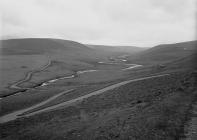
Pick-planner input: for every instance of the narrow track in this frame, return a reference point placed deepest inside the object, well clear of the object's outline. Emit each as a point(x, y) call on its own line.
point(17, 114)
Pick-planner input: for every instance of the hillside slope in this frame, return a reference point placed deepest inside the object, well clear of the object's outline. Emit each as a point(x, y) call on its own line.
point(20, 56)
point(188, 62)
point(164, 53)
point(31, 46)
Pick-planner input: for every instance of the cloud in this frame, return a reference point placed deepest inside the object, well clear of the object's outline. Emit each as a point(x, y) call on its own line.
point(118, 22)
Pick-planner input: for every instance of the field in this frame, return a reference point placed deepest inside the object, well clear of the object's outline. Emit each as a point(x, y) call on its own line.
point(20, 57)
point(14, 68)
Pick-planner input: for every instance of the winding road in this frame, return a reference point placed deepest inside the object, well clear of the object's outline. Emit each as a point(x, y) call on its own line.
point(29, 75)
point(17, 114)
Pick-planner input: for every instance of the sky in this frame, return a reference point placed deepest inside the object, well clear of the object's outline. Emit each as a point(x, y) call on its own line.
point(142, 23)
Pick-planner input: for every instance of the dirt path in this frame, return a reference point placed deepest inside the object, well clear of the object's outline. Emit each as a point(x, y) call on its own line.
point(15, 115)
point(29, 75)
point(132, 67)
point(9, 116)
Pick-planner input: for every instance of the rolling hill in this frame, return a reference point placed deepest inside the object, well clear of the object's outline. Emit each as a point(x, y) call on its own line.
point(20, 56)
point(31, 46)
point(164, 53)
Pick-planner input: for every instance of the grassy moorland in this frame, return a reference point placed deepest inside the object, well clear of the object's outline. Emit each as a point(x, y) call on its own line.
point(14, 68)
point(150, 109)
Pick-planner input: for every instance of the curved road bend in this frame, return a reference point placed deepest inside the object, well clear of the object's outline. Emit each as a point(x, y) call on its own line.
point(132, 67)
point(29, 75)
point(14, 115)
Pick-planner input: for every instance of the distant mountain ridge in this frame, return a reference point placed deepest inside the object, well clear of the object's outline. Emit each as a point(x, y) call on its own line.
point(116, 49)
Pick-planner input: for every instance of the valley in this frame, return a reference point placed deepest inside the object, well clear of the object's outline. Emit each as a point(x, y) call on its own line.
point(60, 89)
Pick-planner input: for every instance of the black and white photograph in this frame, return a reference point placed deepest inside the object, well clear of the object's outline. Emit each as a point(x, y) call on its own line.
point(98, 69)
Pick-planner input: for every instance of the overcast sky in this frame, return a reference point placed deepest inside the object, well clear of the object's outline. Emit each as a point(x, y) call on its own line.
point(113, 22)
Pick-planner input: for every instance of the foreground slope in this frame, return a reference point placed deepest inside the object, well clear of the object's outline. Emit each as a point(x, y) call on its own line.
point(152, 109)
